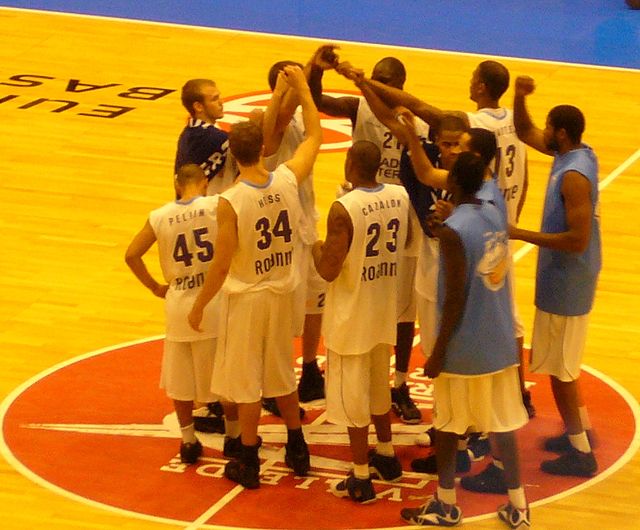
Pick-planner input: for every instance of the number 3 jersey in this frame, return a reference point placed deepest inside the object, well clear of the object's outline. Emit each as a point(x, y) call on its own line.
point(361, 303)
point(511, 158)
point(186, 234)
point(269, 246)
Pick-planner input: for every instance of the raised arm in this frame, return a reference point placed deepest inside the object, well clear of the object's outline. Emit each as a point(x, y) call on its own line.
point(422, 166)
point(525, 129)
point(323, 59)
point(303, 159)
point(395, 97)
point(274, 116)
point(329, 255)
point(576, 193)
point(138, 247)
point(226, 245)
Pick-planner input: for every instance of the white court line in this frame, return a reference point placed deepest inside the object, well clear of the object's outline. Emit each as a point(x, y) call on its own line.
point(320, 39)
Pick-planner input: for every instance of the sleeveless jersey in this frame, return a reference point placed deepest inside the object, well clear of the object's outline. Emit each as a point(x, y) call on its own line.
point(293, 137)
point(368, 127)
point(566, 281)
point(361, 303)
point(186, 234)
point(511, 158)
point(483, 340)
point(269, 244)
point(490, 192)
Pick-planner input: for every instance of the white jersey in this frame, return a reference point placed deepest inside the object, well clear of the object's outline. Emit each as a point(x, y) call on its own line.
point(368, 127)
point(186, 234)
point(269, 245)
point(361, 303)
point(511, 159)
point(427, 269)
point(293, 137)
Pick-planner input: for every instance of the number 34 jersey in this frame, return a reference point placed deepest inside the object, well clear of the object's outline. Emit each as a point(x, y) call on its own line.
point(361, 303)
point(269, 244)
point(186, 233)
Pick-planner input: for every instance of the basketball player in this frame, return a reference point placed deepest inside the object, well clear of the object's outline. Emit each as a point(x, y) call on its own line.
point(473, 365)
point(489, 82)
point(282, 137)
point(365, 126)
point(184, 230)
point(201, 142)
point(366, 234)
point(569, 262)
point(257, 259)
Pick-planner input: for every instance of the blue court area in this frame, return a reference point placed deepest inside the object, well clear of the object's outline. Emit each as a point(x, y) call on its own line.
point(598, 32)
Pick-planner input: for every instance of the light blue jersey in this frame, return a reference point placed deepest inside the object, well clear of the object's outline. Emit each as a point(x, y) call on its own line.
point(483, 342)
point(566, 281)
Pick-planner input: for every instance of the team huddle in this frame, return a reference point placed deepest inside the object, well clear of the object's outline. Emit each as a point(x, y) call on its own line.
point(420, 230)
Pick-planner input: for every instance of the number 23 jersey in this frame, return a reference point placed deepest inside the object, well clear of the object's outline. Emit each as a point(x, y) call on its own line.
point(186, 233)
point(361, 303)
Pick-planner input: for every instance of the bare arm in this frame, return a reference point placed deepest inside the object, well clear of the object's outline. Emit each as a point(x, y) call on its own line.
point(303, 159)
point(344, 107)
point(454, 263)
point(525, 188)
point(226, 245)
point(137, 248)
point(525, 129)
point(329, 255)
point(576, 192)
point(422, 166)
point(395, 97)
point(272, 128)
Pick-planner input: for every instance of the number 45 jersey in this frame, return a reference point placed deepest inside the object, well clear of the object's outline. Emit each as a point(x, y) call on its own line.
point(186, 234)
point(269, 244)
point(361, 303)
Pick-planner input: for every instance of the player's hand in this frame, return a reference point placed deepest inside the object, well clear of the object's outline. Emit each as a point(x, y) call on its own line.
point(443, 209)
point(195, 318)
point(325, 57)
point(434, 222)
point(160, 290)
point(295, 78)
point(282, 84)
point(525, 85)
point(406, 118)
point(347, 70)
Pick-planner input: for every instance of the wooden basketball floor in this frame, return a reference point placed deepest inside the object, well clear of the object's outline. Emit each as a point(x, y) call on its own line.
point(79, 174)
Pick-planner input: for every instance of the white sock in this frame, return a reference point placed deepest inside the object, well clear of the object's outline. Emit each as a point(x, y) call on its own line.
point(384, 448)
point(517, 498)
point(580, 442)
point(361, 471)
point(231, 428)
point(448, 496)
point(399, 379)
point(188, 434)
